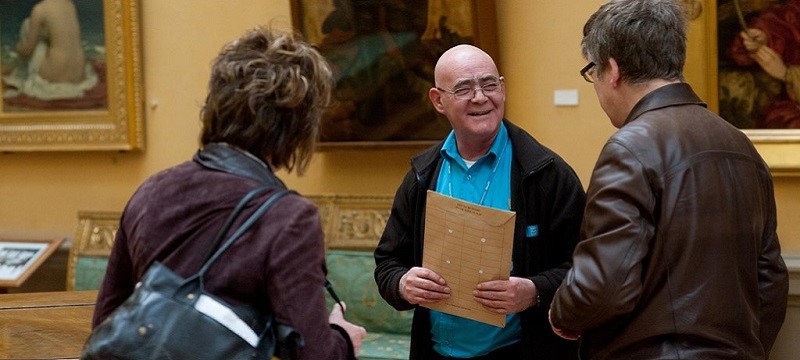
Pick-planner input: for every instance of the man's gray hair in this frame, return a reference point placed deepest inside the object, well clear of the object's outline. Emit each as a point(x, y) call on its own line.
point(647, 39)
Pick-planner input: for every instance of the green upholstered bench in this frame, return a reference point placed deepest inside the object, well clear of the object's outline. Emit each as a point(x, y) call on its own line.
point(89, 272)
point(352, 224)
point(388, 330)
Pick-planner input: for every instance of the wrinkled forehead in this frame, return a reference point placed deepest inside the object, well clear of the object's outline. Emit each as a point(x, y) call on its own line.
point(476, 80)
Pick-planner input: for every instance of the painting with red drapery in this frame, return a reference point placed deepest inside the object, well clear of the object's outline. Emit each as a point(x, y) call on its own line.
point(759, 63)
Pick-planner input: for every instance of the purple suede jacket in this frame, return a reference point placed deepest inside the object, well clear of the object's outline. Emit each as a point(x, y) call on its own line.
point(277, 265)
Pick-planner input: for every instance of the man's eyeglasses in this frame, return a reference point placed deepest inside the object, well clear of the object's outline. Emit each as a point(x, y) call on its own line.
point(468, 92)
point(588, 72)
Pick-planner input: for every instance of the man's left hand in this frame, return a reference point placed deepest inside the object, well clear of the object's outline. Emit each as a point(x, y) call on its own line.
point(506, 296)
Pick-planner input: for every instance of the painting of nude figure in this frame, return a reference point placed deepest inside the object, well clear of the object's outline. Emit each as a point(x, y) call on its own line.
point(52, 55)
point(71, 75)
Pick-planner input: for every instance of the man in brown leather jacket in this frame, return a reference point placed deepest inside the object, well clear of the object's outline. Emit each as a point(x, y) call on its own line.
point(679, 257)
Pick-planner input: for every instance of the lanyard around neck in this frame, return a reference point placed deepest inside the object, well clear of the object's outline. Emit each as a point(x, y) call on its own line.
point(488, 182)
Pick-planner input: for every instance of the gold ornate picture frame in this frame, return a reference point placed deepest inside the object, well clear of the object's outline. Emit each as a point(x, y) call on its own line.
point(779, 147)
point(107, 115)
point(383, 54)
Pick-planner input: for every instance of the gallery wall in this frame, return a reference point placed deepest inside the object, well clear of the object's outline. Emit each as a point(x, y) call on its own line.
point(538, 42)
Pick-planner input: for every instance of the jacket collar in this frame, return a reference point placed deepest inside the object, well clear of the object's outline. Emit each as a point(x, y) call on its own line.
point(529, 153)
point(665, 96)
point(229, 159)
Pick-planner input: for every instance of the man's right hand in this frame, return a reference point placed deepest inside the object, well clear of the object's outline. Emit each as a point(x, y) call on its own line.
point(423, 286)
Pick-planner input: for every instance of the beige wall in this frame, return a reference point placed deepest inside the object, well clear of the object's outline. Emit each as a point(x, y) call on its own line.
point(41, 193)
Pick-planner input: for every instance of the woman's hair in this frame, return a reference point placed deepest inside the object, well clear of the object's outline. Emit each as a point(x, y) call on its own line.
point(266, 95)
point(647, 38)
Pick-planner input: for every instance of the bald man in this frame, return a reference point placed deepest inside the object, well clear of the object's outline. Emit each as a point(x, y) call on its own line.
point(489, 161)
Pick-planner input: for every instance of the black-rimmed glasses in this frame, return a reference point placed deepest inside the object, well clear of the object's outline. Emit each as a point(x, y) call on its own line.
point(588, 72)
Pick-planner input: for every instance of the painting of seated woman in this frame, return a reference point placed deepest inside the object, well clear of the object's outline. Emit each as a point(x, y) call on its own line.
point(53, 55)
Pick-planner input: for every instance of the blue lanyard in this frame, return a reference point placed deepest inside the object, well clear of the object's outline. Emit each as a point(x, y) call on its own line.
point(488, 182)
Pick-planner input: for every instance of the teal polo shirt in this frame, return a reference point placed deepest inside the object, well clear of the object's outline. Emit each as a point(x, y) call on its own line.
point(487, 182)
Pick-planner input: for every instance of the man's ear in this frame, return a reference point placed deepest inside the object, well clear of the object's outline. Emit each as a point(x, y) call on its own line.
point(614, 73)
point(436, 99)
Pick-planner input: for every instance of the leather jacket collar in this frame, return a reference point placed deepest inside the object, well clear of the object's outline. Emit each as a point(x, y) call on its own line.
point(229, 159)
point(668, 95)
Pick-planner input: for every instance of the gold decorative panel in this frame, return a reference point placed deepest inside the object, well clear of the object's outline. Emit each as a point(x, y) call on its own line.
point(93, 238)
point(353, 222)
point(96, 232)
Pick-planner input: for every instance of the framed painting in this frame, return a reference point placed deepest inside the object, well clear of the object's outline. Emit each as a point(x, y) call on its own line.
point(758, 96)
point(19, 258)
point(383, 54)
point(88, 98)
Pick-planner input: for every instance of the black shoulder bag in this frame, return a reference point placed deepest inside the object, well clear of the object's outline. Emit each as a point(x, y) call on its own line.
point(169, 317)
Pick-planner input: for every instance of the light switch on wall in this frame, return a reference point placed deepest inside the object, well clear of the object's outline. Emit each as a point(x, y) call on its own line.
point(568, 97)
